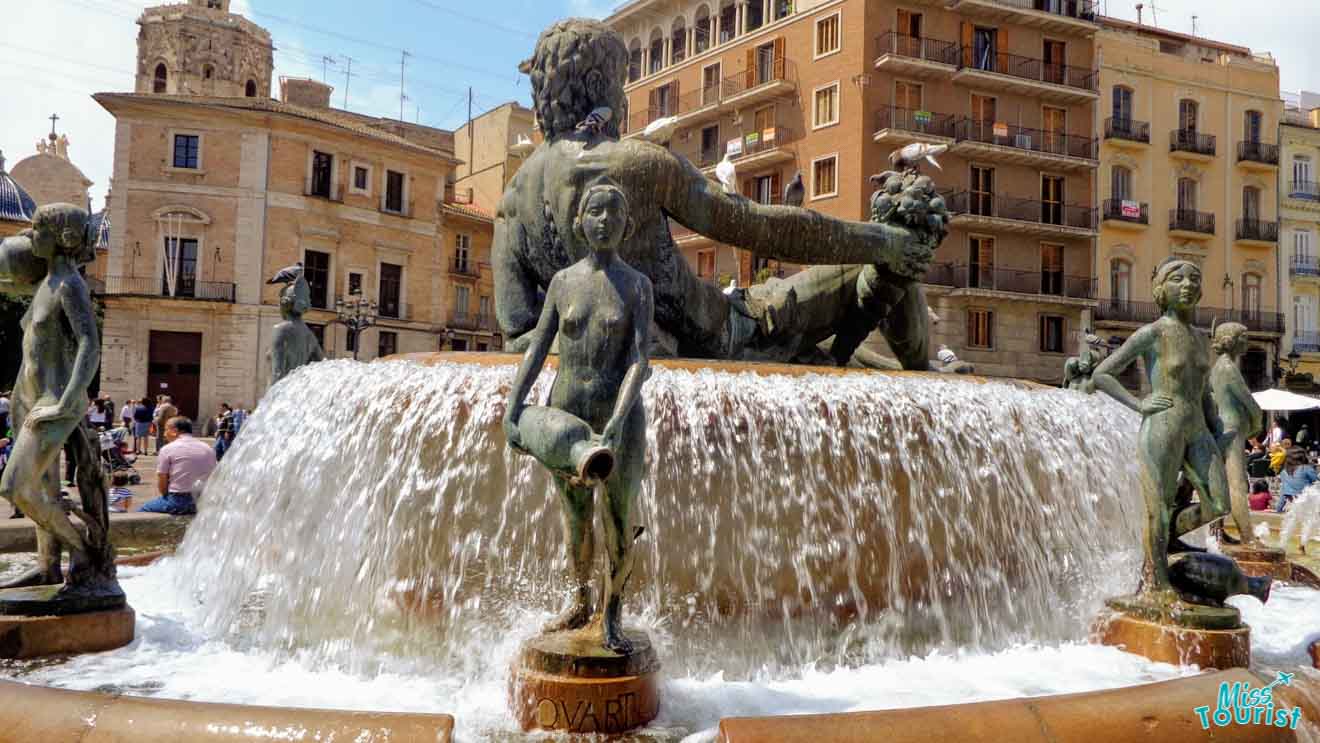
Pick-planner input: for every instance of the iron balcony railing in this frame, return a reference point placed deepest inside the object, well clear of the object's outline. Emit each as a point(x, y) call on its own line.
point(1190, 140)
point(1018, 281)
point(155, 286)
point(1129, 129)
point(1306, 342)
point(463, 266)
point(1123, 310)
point(471, 321)
point(1028, 68)
point(1192, 221)
point(764, 72)
point(1113, 209)
point(917, 47)
point(1258, 152)
point(1309, 190)
point(1083, 10)
point(1025, 138)
point(1304, 265)
point(753, 143)
point(1255, 229)
point(1024, 210)
point(911, 120)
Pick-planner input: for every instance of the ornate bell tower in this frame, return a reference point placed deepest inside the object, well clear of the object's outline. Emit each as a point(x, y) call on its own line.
point(200, 48)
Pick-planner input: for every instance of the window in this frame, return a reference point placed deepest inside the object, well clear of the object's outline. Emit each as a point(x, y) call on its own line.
point(354, 283)
point(316, 269)
point(1122, 105)
point(1251, 127)
point(710, 144)
point(981, 262)
point(909, 26)
point(187, 151)
point(907, 96)
point(678, 42)
point(765, 189)
point(1251, 293)
point(1051, 199)
point(710, 84)
point(389, 344)
point(635, 61)
point(1187, 114)
point(702, 31)
point(250, 90)
point(664, 100)
point(980, 328)
point(458, 344)
point(1055, 59)
point(1051, 269)
point(1120, 183)
point(753, 16)
point(824, 175)
point(827, 106)
point(483, 307)
point(1251, 204)
point(482, 347)
point(160, 80)
point(728, 22)
point(323, 166)
point(827, 35)
point(318, 332)
point(1186, 195)
point(985, 43)
point(180, 272)
point(462, 244)
point(1304, 316)
point(706, 263)
point(982, 192)
point(769, 65)
point(393, 191)
point(983, 118)
point(462, 299)
point(361, 178)
point(1055, 130)
point(391, 287)
point(1302, 247)
point(1120, 279)
point(657, 52)
point(1051, 334)
point(1301, 173)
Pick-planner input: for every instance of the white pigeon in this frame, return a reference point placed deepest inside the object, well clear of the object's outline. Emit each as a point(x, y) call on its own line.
point(522, 147)
point(661, 130)
point(596, 120)
point(946, 355)
point(288, 275)
point(732, 287)
point(727, 173)
point(910, 156)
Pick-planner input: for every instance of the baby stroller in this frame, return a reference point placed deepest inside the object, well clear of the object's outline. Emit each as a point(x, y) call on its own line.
point(113, 458)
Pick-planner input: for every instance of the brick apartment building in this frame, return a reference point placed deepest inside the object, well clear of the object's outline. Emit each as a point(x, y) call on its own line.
point(829, 88)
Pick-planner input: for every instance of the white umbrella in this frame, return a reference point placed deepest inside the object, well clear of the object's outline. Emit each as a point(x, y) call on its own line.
point(1284, 400)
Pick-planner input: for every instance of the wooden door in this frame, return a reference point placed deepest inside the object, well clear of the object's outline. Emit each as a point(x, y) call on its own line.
point(1054, 62)
point(982, 192)
point(1051, 199)
point(983, 118)
point(1055, 126)
point(174, 368)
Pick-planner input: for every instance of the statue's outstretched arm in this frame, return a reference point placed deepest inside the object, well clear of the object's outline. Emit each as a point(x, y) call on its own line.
point(516, 306)
point(782, 232)
point(1105, 376)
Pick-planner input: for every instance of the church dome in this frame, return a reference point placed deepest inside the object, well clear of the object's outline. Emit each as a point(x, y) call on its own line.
point(15, 204)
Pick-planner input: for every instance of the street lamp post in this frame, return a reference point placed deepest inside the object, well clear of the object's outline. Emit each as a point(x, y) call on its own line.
point(357, 313)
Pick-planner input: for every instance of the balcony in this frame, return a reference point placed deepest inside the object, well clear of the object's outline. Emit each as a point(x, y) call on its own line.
point(1022, 216)
point(1049, 16)
point(901, 126)
point(1256, 231)
point(472, 321)
point(1125, 214)
point(913, 56)
point(1191, 144)
point(1018, 145)
point(1304, 190)
point(464, 266)
point(772, 78)
point(1308, 342)
point(1127, 132)
point(1258, 155)
point(1191, 225)
point(1141, 313)
point(155, 286)
point(1016, 281)
point(1304, 267)
point(760, 150)
point(1010, 73)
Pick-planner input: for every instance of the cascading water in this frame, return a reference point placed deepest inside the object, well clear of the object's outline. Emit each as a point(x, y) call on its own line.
point(373, 512)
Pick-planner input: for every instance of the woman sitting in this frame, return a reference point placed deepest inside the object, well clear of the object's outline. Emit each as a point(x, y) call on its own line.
point(1296, 475)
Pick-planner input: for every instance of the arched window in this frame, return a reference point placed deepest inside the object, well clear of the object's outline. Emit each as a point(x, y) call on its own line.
point(634, 61)
point(1120, 280)
point(701, 30)
point(728, 21)
point(1188, 111)
point(1122, 110)
point(251, 89)
point(1251, 283)
point(657, 52)
point(678, 41)
point(1120, 183)
point(159, 82)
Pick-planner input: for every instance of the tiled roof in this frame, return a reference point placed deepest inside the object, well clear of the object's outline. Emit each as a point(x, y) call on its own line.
point(15, 204)
point(322, 115)
point(471, 211)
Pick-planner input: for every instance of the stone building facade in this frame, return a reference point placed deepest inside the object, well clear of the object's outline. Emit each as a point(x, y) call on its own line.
point(1299, 229)
point(468, 286)
point(483, 145)
point(200, 48)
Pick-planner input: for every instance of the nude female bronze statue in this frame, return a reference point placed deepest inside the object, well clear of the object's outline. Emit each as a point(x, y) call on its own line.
point(60, 355)
point(292, 344)
point(1240, 416)
point(1177, 421)
point(601, 310)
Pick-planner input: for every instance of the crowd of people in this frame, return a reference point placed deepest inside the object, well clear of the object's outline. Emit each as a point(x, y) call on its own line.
point(1280, 467)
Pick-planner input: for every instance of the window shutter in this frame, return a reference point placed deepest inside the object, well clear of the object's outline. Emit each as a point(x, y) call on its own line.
point(652, 104)
point(904, 22)
point(749, 74)
point(966, 44)
point(778, 71)
point(775, 187)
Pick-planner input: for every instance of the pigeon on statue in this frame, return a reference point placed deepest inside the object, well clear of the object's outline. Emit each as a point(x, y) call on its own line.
point(288, 275)
point(732, 287)
point(661, 130)
point(522, 147)
point(596, 120)
point(727, 173)
point(909, 157)
point(794, 192)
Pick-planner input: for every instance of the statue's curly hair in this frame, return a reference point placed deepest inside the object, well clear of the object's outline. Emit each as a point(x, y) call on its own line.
point(1161, 273)
point(579, 65)
point(1226, 336)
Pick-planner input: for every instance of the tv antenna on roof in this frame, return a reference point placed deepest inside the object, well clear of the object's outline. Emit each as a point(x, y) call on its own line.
point(1194, 17)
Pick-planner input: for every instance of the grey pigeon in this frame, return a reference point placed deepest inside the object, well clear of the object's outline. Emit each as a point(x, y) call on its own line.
point(288, 275)
point(795, 191)
point(910, 156)
point(596, 120)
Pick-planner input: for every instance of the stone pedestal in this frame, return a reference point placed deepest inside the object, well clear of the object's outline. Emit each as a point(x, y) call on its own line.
point(1260, 561)
point(566, 682)
point(1179, 633)
point(92, 632)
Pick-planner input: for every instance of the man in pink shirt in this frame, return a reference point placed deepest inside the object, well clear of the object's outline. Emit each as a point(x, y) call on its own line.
point(183, 468)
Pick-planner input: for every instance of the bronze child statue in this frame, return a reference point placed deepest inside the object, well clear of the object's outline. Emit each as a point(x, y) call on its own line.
point(1240, 415)
point(601, 309)
point(292, 344)
point(60, 355)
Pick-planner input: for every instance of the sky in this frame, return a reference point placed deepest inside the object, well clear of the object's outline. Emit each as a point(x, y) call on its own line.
point(452, 45)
